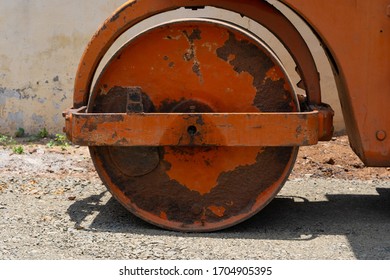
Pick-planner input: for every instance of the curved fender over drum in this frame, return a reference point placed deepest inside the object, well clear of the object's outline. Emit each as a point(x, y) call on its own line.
point(134, 12)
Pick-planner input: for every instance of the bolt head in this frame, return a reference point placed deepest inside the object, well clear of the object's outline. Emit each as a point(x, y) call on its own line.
point(381, 135)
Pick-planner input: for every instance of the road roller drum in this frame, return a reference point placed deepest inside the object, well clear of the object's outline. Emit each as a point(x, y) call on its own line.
point(194, 66)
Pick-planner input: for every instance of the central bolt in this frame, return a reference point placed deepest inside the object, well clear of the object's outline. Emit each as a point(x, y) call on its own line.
point(192, 130)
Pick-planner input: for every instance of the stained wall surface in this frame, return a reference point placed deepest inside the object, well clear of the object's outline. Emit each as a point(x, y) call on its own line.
point(40, 47)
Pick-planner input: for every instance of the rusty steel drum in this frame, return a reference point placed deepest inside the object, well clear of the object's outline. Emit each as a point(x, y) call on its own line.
point(200, 66)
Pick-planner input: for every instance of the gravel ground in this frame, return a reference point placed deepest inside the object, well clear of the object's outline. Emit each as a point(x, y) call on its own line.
point(54, 206)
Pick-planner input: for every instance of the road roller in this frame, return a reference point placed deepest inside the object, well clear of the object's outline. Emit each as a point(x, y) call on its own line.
point(194, 123)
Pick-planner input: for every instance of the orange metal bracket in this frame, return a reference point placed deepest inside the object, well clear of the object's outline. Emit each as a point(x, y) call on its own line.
point(196, 129)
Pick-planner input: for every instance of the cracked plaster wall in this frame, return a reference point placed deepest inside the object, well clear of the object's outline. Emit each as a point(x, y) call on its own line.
point(40, 47)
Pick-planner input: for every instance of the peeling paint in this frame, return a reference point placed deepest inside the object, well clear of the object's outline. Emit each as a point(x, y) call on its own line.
point(26, 92)
point(63, 97)
point(244, 56)
point(56, 105)
point(15, 119)
point(8, 93)
point(190, 55)
point(39, 101)
point(39, 120)
point(57, 118)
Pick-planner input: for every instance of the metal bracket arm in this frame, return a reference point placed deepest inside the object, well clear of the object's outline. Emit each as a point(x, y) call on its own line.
point(194, 129)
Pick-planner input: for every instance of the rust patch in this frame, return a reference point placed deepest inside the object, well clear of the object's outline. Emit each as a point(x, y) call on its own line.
point(184, 106)
point(245, 56)
point(114, 17)
point(190, 54)
point(196, 69)
point(115, 101)
point(117, 14)
point(274, 97)
point(195, 35)
point(156, 193)
point(135, 161)
point(91, 125)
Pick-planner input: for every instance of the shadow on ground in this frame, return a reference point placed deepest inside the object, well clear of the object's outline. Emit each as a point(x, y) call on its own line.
point(363, 219)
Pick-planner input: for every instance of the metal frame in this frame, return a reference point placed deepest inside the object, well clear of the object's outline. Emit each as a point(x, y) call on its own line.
point(206, 129)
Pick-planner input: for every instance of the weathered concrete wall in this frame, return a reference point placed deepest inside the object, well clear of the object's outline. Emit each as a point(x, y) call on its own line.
point(40, 47)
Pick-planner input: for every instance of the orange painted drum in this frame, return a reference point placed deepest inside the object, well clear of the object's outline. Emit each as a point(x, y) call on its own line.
point(194, 66)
